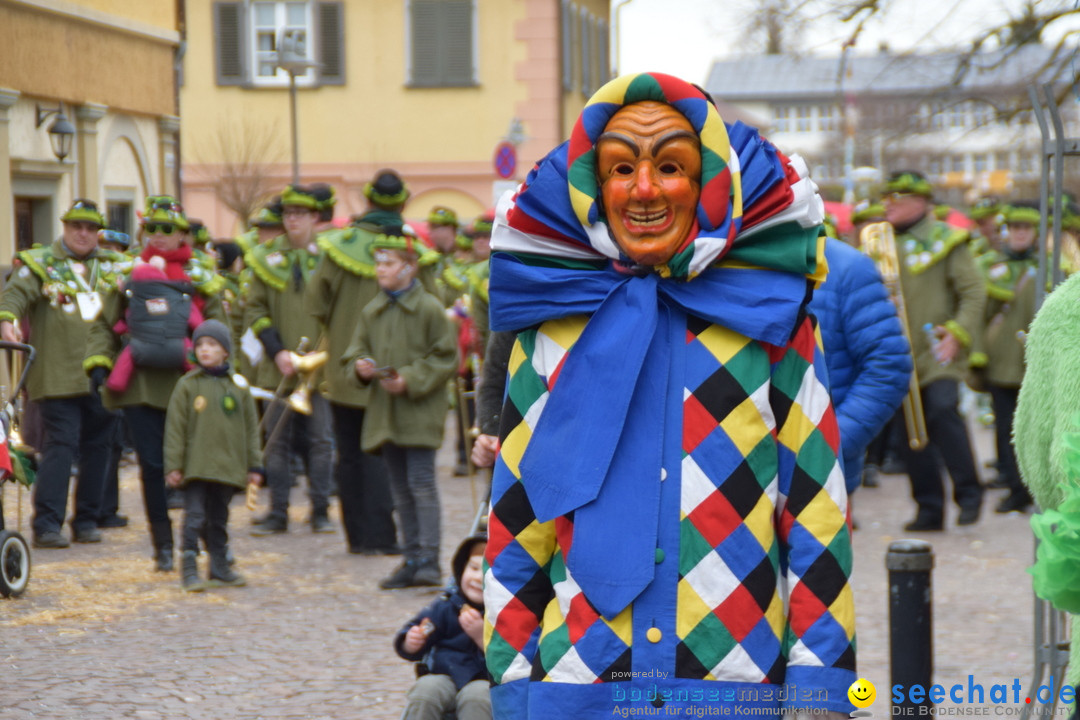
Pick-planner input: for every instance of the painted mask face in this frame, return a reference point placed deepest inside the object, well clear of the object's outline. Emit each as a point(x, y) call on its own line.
point(649, 169)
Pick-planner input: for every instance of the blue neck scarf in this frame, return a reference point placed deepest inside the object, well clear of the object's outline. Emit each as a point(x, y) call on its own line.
point(597, 450)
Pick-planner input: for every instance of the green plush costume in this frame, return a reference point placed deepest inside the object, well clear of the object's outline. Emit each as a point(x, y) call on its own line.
point(1048, 402)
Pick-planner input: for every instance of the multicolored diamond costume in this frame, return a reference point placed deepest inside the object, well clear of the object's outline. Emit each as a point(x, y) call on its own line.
point(668, 509)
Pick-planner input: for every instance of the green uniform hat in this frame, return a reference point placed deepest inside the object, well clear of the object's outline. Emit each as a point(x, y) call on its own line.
point(268, 216)
point(483, 224)
point(84, 211)
point(1020, 215)
point(440, 215)
point(463, 241)
point(165, 209)
point(942, 211)
point(200, 235)
point(909, 182)
point(394, 237)
point(301, 196)
point(327, 199)
point(387, 189)
point(865, 212)
point(986, 207)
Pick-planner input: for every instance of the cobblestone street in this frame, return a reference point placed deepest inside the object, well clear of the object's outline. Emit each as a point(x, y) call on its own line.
point(99, 635)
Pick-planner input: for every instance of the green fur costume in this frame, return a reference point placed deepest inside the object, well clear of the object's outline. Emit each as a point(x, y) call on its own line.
point(1049, 400)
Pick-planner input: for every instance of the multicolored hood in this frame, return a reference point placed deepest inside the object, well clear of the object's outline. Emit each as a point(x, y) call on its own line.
point(747, 188)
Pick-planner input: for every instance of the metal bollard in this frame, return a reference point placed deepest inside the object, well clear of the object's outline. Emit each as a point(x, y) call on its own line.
point(911, 642)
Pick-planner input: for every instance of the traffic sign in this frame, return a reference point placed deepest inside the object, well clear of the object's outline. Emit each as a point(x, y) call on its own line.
point(505, 159)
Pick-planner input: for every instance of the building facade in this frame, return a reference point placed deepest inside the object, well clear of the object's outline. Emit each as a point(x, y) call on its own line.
point(110, 67)
point(970, 131)
point(427, 87)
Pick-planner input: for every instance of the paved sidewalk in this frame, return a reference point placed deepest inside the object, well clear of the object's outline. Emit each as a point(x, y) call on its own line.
point(100, 636)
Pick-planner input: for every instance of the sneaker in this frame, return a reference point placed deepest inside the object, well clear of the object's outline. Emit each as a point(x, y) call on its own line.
point(427, 574)
point(969, 515)
point(86, 535)
point(924, 523)
point(113, 521)
point(870, 476)
point(402, 577)
point(50, 539)
point(321, 524)
point(274, 525)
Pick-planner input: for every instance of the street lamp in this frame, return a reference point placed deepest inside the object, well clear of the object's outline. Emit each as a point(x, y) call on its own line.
point(61, 132)
point(292, 58)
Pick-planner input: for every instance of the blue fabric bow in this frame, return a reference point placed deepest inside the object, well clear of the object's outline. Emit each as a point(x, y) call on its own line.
point(597, 449)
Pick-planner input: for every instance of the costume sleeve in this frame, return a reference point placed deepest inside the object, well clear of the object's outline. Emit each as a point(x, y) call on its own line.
point(251, 427)
point(492, 387)
point(320, 291)
point(1050, 393)
point(429, 373)
point(969, 287)
point(880, 353)
point(257, 317)
point(815, 541)
point(428, 612)
point(176, 427)
point(358, 347)
point(517, 584)
point(22, 290)
point(214, 309)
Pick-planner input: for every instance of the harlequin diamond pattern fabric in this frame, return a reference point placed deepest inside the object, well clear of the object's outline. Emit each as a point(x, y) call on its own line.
point(759, 497)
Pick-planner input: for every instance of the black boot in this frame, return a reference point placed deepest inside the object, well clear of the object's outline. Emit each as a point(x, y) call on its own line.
point(189, 572)
point(161, 535)
point(222, 574)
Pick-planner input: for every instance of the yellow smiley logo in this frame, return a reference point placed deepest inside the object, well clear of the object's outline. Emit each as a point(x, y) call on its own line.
point(862, 693)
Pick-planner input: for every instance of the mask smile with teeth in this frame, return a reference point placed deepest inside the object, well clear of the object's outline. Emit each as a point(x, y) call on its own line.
point(649, 170)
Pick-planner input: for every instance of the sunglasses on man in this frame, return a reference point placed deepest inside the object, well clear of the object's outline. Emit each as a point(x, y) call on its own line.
point(162, 228)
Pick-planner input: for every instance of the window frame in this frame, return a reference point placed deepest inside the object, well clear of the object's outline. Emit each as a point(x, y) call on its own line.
point(280, 78)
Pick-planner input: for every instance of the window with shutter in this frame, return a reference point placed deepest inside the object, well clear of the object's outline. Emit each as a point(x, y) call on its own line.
point(442, 45)
point(229, 43)
point(330, 25)
point(604, 54)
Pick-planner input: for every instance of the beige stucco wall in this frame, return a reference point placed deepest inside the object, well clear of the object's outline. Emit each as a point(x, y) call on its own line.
point(55, 55)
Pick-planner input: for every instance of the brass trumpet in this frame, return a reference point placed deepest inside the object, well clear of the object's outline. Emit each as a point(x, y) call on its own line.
point(878, 241)
point(306, 367)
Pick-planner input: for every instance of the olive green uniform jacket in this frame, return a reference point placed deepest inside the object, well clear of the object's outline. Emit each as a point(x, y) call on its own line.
point(343, 283)
point(275, 302)
point(149, 386)
point(1010, 308)
point(413, 336)
point(42, 291)
point(941, 286)
point(212, 429)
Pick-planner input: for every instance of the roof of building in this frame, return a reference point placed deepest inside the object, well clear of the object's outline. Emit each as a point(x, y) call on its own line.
point(768, 77)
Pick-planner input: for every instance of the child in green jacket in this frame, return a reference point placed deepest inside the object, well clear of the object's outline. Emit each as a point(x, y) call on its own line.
point(211, 448)
point(405, 342)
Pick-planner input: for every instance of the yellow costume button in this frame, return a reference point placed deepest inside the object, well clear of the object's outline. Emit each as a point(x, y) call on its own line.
point(659, 555)
point(200, 403)
point(654, 635)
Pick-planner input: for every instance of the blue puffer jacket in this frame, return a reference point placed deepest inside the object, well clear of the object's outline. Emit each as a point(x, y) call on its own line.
point(867, 356)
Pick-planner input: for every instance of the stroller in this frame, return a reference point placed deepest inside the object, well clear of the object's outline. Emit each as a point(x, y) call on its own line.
point(15, 466)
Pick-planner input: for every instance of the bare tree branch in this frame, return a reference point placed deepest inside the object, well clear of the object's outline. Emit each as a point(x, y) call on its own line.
point(236, 160)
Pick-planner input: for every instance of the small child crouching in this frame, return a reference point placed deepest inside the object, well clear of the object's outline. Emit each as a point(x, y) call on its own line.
point(405, 351)
point(449, 634)
point(212, 449)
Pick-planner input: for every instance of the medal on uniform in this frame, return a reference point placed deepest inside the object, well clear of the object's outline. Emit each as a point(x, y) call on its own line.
point(200, 403)
point(89, 303)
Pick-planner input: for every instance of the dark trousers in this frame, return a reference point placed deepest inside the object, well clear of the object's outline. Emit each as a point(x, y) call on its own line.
point(1004, 401)
point(110, 492)
point(416, 498)
point(206, 514)
point(363, 486)
point(281, 425)
point(80, 428)
point(948, 444)
point(147, 426)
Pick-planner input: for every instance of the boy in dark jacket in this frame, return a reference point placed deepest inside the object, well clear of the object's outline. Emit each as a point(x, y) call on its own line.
point(450, 632)
point(211, 448)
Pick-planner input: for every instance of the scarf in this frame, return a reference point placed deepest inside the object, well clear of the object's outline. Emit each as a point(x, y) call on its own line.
point(555, 258)
point(175, 261)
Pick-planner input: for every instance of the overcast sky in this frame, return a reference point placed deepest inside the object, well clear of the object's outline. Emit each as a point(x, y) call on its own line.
point(684, 37)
